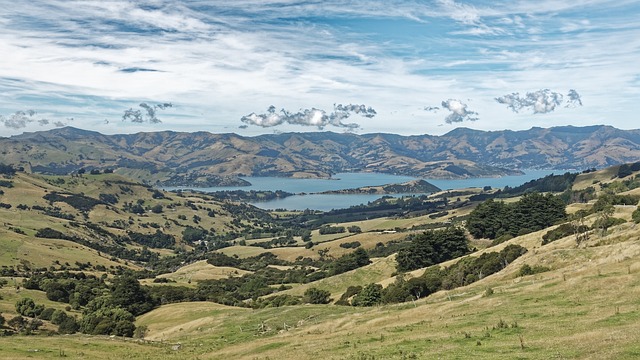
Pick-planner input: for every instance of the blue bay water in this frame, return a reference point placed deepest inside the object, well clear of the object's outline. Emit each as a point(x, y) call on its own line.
point(341, 181)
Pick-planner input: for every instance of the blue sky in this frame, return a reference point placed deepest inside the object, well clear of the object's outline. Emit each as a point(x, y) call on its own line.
point(254, 67)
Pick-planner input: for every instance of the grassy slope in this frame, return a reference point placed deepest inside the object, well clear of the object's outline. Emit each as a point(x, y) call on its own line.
point(30, 189)
point(586, 307)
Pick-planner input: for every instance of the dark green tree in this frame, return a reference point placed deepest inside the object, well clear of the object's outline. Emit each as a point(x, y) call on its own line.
point(317, 296)
point(127, 293)
point(432, 247)
point(487, 220)
point(636, 215)
point(369, 296)
point(27, 307)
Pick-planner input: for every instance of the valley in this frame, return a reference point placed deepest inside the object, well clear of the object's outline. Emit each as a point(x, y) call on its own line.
point(221, 279)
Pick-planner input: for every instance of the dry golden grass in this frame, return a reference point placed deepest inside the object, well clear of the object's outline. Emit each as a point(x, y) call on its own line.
point(379, 270)
point(201, 270)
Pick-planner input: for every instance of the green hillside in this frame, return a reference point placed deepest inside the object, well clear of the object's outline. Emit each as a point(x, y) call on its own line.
point(566, 289)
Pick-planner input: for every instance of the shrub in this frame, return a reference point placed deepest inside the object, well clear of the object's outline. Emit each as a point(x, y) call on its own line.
point(369, 296)
point(561, 231)
point(68, 326)
point(350, 245)
point(531, 270)
point(636, 215)
point(317, 296)
point(351, 291)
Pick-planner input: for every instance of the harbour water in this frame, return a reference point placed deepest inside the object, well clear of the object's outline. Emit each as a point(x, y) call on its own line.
point(306, 188)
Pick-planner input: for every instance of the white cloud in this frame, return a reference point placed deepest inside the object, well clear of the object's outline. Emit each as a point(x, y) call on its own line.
point(459, 112)
point(310, 117)
point(540, 101)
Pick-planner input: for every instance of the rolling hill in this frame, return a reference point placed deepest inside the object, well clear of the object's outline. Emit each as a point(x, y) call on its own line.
point(205, 158)
point(580, 302)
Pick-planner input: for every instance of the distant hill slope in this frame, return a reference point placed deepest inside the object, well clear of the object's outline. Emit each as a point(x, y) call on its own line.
point(176, 157)
point(106, 219)
point(409, 187)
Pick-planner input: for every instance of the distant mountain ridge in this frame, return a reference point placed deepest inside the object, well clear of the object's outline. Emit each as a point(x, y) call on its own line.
point(461, 153)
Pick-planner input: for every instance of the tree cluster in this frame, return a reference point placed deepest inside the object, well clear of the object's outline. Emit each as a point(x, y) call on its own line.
point(532, 212)
point(432, 247)
point(464, 272)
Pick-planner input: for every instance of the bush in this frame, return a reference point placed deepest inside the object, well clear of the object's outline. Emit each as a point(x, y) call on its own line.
point(351, 291)
point(531, 270)
point(635, 216)
point(326, 229)
point(354, 229)
point(562, 231)
point(351, 261)
point(317, 296)
point(27, 307)
point(532, 212)
point(47, 313)
point(369, 296)
point(140, 332)
point(58, 317)
point(350, 245)
point(68, 326)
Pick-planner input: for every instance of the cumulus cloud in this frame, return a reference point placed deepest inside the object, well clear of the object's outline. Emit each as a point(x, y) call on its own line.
point(539, 102)
point(310, 117)
point(21, 119)
point(149, 115)
point(574, 99)
point(459, 112)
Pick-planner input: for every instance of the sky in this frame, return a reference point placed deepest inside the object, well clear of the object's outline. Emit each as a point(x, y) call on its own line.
point(258, 67)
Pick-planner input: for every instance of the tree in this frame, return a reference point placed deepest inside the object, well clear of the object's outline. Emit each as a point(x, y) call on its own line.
point(636, 215)
point(532, 212)
point(68, 326)
point(354, 229)
point(369, 296)
point(27, 307)
point(580, 229)
point(7, 169)
point(432, 247)
point(486, 220)
point(350, 261)
point(58, 317)
point(603, 221)
point(317, 296)
point(126, 292)
point(108, 321)
point(17, 323)
point(396, 292)
point(156, 209)
point(1, 320)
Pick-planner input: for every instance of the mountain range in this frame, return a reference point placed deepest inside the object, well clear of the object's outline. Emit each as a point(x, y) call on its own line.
point(180, 157)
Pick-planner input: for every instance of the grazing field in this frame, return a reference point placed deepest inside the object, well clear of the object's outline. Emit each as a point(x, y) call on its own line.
point(586, 307)
point(581, 303)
